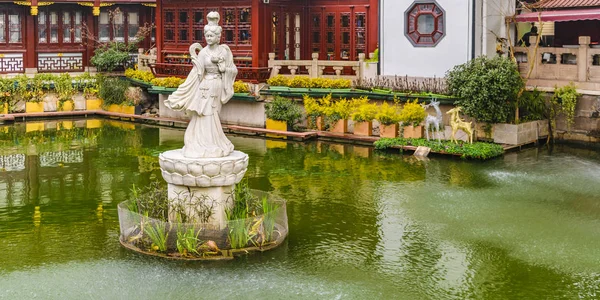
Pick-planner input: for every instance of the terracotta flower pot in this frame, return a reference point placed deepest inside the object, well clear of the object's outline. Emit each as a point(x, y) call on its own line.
point(363, 128)
point(414, 132)
point(341, 126)
point(389, 131)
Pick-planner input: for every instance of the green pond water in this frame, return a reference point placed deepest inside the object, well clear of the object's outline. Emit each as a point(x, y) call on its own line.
point(362, 224)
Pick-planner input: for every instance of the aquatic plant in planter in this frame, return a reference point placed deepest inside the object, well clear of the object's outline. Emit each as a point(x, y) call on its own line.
point(282, 110)
point(151, 224)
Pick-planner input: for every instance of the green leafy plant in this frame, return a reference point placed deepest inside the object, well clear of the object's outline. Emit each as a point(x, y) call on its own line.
point(238, 215)
point(63, 85)
point(110, 56)
point(564, 100)
point(152, 201)
point(388, 114)
point(7, 90)
point(486, 88)
point(533, 105)
point(187, 240)
point(89, 84)
point(283, 109)
point(112, 91)
point(412, 113)
point(269, 209)
point(477, 150)
point(158, 235)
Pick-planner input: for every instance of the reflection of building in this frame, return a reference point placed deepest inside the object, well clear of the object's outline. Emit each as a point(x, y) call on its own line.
point(292, 29)
point(53, 36)
point(14, 162)
point(51, 159)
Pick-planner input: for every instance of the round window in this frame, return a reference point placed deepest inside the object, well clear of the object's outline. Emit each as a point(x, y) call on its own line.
point(424, 23)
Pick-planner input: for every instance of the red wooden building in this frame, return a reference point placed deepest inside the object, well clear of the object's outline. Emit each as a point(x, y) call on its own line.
point(292, 29)
point(40, 36)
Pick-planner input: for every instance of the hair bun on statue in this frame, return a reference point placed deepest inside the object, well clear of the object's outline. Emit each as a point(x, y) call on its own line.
point(213, 18)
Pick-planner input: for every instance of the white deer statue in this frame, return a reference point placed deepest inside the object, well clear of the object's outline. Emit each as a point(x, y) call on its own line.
point(433, 124)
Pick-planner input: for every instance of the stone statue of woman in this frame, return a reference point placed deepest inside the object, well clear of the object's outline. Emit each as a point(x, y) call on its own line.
point(208, 86)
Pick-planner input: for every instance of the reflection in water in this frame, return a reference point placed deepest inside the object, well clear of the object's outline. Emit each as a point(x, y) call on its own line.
point(363, 224)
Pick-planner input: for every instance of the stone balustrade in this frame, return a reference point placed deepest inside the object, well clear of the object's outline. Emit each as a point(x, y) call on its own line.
point(324, 68)
point(144, 60)
point(559, 66)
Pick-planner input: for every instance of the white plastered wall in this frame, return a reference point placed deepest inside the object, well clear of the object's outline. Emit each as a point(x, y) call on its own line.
point(400, 57)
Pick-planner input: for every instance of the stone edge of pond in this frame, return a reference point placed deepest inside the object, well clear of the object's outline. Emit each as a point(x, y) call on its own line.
point(233, 129)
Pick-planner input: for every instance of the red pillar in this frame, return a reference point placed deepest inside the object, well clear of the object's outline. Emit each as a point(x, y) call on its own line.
point(89, 42)
point(373, 26)
point(30, 40)
point(159, 26)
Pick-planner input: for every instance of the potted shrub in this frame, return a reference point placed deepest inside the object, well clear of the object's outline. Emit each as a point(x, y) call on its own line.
point(112, 90)
point(90, 85)
point(282, 114)
point(134, 95)
point(388, 118)
point(314, 111)
point(337, 114)
point(7, 87)
point(411, 116)
point(30, 90)
point(363, 116)
point(63, 86)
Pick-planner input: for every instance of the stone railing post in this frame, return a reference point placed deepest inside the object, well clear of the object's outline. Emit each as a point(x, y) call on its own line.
point(582, 58)
point(361, 66)
point(532, 58)
point(271, 64)
point(314, 66)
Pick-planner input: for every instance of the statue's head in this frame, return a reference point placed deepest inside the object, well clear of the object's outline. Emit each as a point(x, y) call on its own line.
point(213, 25)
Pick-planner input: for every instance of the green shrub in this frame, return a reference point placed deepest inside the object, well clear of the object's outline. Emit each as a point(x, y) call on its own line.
point(108, 57)
point(486, 88)
point(63, 85)
point(532, 105)
point(412, 113)
point(112, 91)
point(283, 109)
point(565, 99)
point(7, 89)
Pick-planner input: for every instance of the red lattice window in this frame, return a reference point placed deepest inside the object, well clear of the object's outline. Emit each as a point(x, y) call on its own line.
point(425, 24)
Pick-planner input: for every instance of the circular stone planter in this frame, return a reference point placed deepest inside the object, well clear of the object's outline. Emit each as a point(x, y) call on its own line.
point(212, 241)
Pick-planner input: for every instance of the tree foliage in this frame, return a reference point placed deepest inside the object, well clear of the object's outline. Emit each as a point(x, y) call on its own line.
point(486, 87)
